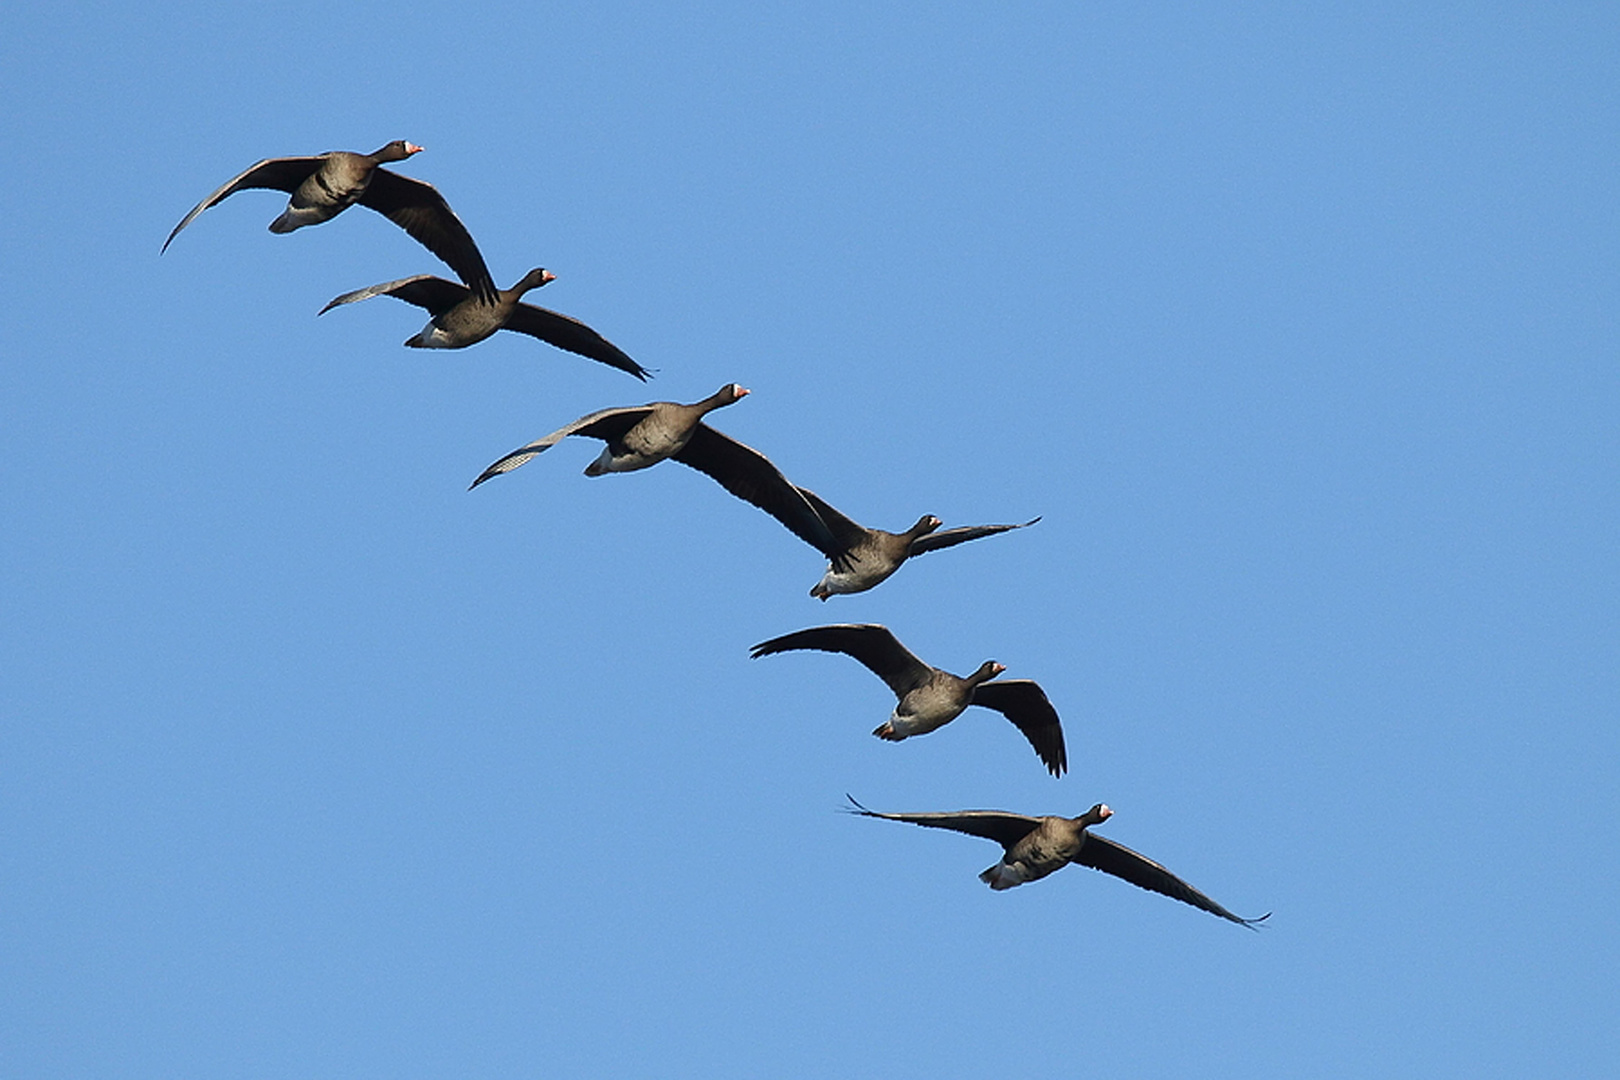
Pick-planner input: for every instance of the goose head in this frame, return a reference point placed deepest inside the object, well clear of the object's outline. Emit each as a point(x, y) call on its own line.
point(398, 150)
point(987, 671)
point(1095, 816)
point(534, 279)
point(729, 394)
point(925, 525)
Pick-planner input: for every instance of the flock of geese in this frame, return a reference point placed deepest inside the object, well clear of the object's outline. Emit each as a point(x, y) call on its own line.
point(640, 436)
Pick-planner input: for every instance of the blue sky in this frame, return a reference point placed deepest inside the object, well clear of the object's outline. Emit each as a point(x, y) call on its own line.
point(1297, 327)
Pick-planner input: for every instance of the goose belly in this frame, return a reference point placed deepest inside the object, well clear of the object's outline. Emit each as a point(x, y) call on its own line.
point(433, 336)
point(630, 461)
point(317, 199)
point(1006, 875)
point(448, 334)
point(642, 447)
point(1029, 862)
point(296, 217)
point(928, 708)
point(857, 578)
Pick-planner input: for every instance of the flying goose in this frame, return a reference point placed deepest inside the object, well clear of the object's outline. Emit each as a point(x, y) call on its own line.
point(461, 319)
point(324, 186)
point(640, 436)
point(1037, 846)
point(931, 698)
point(875, 554)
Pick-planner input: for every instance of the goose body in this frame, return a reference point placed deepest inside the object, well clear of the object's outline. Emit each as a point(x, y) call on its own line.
point(460, 318)
point(658, 436)
point(641, 436)
point(874, 554)
point(322, 186)
point(330, 189)
point(929, 697)
point(1035, 847)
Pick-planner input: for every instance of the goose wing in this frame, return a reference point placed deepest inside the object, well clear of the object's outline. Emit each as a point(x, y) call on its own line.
point(945, 538)
point(605, 424)
point(1103, 854)
point(279, 174)
point(998, 825)
point(846, 532)
point(557, 329)
point(419, 209)
point(424, 290)
point(749, 475)
point(871, 644)
point(1024, 703)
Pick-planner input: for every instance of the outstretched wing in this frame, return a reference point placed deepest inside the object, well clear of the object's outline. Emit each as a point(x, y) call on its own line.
point(1024, 703)
point(1103, 854)
point(419, 209)
point(998, 825)
point(749, 475)
point(871, 644)
point(278, 174)
point(571, 334)
point(424, 290)
point(607, 424)
point(951, 537)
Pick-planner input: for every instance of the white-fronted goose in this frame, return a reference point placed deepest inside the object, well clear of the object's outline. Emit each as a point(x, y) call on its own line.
point(875, 554)
point(1037, 846)
point(640, 436)
point(324, 186)
point(461, 319)
point(931, 698)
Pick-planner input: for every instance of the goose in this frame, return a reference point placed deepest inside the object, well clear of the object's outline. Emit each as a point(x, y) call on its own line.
point(1038, 846)
point(461, 318)
point(324, 186)
point(931, 698)
point(640, 436)
point(874, 554)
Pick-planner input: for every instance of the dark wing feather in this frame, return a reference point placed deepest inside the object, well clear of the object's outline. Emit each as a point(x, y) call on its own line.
point(571, 334)
point(424, 290)
point(608, 425)
point(278, 174)
point(846, 532)
point(1103, 854)
point(961, 535)
point(1024, 703)
point(419, 209)
point(749, 475)
point(1004, 828)
point(869, 643)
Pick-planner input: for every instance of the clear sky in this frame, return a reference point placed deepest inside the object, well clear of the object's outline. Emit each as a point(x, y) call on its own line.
point(1298, 327)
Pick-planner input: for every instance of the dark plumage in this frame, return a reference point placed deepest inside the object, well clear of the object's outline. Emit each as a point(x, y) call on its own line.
point(931, 698)
point(640, 436)
point(461, 319)
point(324, 186)
point(875, 554)
point(1037, 846)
